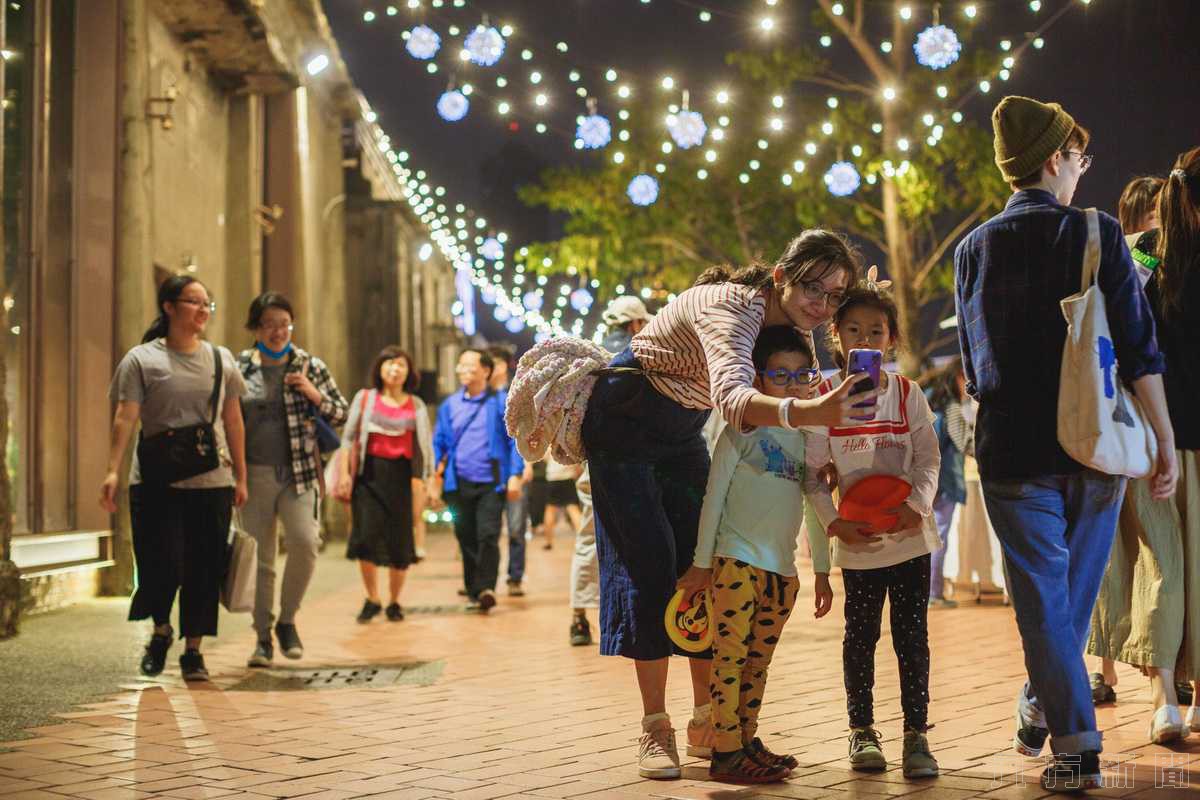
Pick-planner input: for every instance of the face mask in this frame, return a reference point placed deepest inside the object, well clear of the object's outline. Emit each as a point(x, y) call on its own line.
point(276, 354)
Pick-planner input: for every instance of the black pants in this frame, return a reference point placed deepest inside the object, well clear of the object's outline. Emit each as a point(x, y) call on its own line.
point(477, 509)
point(180, 543)
point(907, 586)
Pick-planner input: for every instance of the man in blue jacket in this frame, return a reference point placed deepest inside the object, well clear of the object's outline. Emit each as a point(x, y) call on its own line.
point(1054, 517)
point(479, 469)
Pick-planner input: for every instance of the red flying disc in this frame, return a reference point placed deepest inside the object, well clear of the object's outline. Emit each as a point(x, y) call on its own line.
point(867, 500)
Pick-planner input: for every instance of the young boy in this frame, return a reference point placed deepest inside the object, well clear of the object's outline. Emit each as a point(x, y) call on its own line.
point(745, 551)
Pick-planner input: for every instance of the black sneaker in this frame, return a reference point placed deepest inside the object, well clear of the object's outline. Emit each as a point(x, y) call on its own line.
point(395, 613)
point(289, 640)
point(369, 610)
point(191, 664)
point(1030, 738)
point(155, 657)
point(264, 654)
point(486, 600)
point(515, 589)
point(581, 632)
point(1184, 693)
point(1071, 773)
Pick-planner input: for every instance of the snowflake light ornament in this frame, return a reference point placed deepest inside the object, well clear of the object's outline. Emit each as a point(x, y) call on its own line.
point(484, 46)
point(594, 131)
point(515, 325)
point(643, 190)
point(842, 179)
point(533, 301)
point(937, 47)
point(581, 300)
point(453, 105)
point(687, 128)
point(491, 249)
point(423, 42)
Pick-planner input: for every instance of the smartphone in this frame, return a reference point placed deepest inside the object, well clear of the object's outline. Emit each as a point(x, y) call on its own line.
point(870, 362)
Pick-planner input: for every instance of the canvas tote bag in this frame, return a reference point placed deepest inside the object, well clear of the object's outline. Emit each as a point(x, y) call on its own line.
point(237, 590)
point(1100, 423)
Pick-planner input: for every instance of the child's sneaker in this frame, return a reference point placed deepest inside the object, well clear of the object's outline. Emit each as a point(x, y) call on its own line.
point(866, 752)
point(700, 738)
point(1073, 773)
point(918, 761)
point(765, 756)
point(741, 766)
point(658, 757)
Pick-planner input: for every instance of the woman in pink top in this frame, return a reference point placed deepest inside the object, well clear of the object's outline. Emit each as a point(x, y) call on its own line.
point(649, 464)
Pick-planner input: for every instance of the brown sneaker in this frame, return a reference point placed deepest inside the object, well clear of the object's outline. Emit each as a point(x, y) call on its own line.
point(765, 756)
point(658, 757)
point(700, 738)
point(741, 766)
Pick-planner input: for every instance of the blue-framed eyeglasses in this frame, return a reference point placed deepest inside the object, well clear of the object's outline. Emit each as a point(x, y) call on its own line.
point(784, 377)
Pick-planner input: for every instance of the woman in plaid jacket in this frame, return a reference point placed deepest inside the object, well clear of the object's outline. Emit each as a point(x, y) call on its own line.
point(287, 389)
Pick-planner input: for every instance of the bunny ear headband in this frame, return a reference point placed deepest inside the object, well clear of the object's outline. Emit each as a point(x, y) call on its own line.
point(872, 280)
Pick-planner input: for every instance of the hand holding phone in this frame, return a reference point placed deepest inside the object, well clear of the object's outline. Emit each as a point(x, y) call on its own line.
point(870, 362)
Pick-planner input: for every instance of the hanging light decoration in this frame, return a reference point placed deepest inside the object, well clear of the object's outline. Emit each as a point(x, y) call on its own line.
point(515, 324)
point(423, 42)
point(686, 127)
point(488, 293)
point(501, 313)
point(643, 190)
point(533, 300)
point(581, 300)
point(842, 179)
point(453, 105)
point(594, 131)
point(937, 47)
point(491, 249)
point(484, 46)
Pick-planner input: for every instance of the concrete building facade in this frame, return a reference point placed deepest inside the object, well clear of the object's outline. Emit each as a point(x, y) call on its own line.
point(144, 138)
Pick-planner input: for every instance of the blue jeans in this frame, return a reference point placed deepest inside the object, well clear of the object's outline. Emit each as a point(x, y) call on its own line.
point(943, 515)
point(517, 515)
point(649, 467)
point(1057, 532)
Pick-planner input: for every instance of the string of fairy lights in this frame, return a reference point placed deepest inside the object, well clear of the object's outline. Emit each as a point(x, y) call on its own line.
point(691, 120)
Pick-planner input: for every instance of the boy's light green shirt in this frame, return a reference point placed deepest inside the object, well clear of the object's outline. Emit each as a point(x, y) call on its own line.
point(754, 503)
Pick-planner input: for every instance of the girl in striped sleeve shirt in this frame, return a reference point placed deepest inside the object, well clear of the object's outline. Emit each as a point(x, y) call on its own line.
point(649, 465)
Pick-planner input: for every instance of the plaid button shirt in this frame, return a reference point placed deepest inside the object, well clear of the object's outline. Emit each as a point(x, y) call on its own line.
point(302, 428)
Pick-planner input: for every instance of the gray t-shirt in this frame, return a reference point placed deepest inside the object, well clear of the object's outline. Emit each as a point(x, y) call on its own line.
point(267, 440)
point(174, 390)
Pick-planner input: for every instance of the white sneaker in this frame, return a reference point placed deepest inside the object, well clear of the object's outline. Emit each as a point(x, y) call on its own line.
point(1167, 725)
point(658, 757)
point(1192, 718)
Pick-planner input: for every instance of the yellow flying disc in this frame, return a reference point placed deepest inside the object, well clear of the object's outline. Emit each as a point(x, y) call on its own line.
point(688, 623)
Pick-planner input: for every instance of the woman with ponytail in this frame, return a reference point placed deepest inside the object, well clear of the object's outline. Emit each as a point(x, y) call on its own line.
point(1148, 612)
point(179, 387)
point(641, 432)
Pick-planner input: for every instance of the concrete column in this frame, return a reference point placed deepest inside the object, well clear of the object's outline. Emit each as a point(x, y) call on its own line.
point(243, 234)
point(283, 250)
point(135, 289)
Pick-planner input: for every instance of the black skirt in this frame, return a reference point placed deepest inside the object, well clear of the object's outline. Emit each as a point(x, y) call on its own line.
point(382, 509)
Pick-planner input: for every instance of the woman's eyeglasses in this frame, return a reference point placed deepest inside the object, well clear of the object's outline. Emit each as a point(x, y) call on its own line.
point(210, 305)
point(271, 327)
point(815, 291)
point(783, 377)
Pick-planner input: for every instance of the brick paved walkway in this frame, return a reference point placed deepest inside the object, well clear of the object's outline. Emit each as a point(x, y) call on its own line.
point(503, 707)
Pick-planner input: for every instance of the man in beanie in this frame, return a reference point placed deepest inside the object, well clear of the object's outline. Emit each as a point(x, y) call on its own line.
point(1055, 518)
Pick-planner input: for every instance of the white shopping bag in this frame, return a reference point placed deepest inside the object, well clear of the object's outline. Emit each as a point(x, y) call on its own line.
point(1100, 423)
point(237, 590)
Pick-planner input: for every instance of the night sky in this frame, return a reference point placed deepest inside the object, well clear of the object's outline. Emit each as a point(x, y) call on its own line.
point(1129, 70)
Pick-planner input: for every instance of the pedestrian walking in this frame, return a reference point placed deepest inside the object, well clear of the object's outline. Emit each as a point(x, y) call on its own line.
point(640, 433)
point(560, 497)
point(1055, 518)
point(947, 397)
point(516, 512)
point(899, 441)
point(181, 499)
point(1148, 612)
point(386, 444)
point(479, 469)
point(746, 556)
point(287, 390)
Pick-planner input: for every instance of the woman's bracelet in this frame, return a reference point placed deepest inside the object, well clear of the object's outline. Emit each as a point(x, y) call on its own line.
point(785, 407)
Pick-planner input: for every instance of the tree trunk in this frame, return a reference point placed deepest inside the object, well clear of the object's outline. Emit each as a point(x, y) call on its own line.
point(901, 268)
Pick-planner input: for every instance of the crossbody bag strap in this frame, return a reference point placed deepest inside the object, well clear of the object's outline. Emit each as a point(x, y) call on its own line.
point(462, 432)
point(217, 373)
point(1091, 252)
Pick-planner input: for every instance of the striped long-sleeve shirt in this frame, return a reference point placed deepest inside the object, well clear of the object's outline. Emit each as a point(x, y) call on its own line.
point(697, 350)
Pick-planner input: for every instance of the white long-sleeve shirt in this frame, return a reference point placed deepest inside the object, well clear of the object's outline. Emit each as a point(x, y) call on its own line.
point(900, 441)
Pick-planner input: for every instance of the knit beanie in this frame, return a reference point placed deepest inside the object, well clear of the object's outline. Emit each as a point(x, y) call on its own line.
point(1027, 133)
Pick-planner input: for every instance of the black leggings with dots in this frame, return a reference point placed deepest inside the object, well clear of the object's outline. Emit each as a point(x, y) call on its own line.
point(907, 586)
